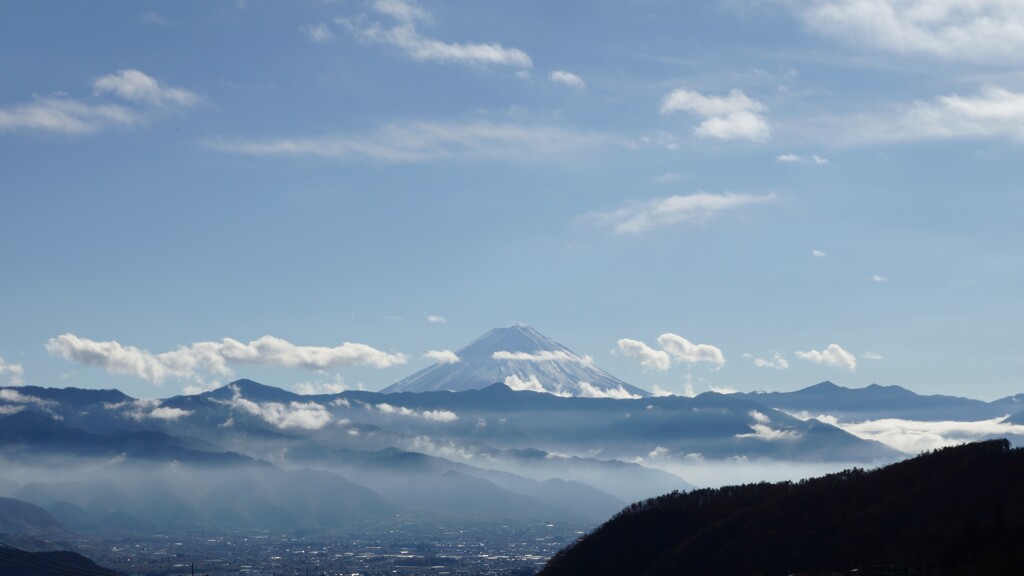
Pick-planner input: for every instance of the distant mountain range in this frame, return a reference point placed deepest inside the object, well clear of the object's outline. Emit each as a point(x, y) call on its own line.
point(523, 359)
point(956, 511)
point(234, 457)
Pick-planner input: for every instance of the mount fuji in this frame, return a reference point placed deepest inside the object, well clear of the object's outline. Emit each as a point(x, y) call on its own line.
point(522, 359)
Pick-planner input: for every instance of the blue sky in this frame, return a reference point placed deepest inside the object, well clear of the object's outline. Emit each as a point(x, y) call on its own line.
point(318, 194)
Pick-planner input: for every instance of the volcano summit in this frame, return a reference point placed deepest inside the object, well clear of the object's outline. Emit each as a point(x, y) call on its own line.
point(523, 359)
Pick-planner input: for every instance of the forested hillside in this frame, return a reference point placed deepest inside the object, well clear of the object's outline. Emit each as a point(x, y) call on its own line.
point(954, 511)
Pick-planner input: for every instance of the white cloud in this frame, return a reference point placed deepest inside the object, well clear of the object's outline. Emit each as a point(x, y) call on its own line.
point(295, 415)
point(872, 356)
point(15, 372)
point(588, 390)
point(976, 30)
point(769, 434)
point(318, 33)
point(659, 392)
point(137, 86)
point(199, 387)
point(912, 436)
point(337, 386)
point(140, 410)
point(731, 117)
point(165, 413)
point(762, 429)
point(436, 319)
point(817, 253)
point(443, 356)
point(834, 355)
point(542, 356)
point(994, 112)
point(567, 79)
point(647, 357)
point(722, 389)
point(794, 159)
point(689, 353)
point(776, 361)
point(405, 36)
point(877, 278)
point(531, 384)
point(443, 416)
point(674, 348)
point(640, 217)
point(214, 357)
point(65, 115)
point(423, 142)
point(16, 397)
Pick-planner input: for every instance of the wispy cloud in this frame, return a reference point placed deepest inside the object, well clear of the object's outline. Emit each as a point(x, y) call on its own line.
point(318, 33)
point(588, 390)
point(294, 415)
point(542, 356)
point(443, 356)
point(993, 112)
point(979, 30)
point(140, 410)
point(404, 34)
point(567, 79)
point(335, 386)
point(15, 373)
point(914, 436)
point(428, 415)
point(195, 360)
point(776, 361)
point(797, 159)
point(530, 384)
point(640, 217)
point(136, 86)
point(877, 278)
point(63, 114)
point(872, 356)
point(422, 142)
point(735, 116)
point(762, 430)
point(17, 397)
point(436, 319)
point(817, 253)
point(834, 355)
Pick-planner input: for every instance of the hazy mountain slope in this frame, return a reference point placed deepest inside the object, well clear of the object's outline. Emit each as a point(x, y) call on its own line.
point(519, 352)
point(957, 510)
point(28, 435)
point(20, 517)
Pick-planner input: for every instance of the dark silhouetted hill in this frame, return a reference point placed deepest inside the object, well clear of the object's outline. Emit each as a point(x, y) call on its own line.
point(17, 562)
point(955, 511)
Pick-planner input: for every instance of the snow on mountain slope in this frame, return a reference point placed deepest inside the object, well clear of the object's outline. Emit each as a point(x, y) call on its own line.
point(523, 359)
